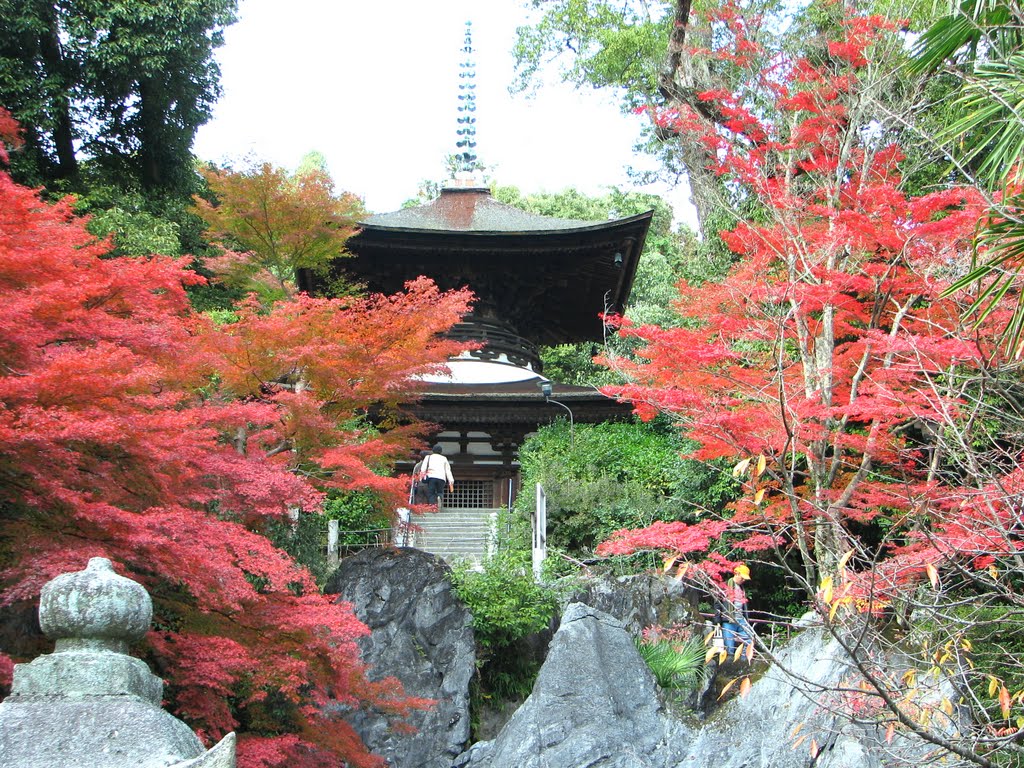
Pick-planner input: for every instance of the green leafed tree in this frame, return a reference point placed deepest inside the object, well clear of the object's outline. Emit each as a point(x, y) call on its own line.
point(125, 84)
point(600, 478)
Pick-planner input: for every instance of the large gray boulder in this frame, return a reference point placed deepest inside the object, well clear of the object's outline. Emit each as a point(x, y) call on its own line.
point(89, 704)
point(421, 634)
point(757, 730)
point(594, 705)
point(798, 700)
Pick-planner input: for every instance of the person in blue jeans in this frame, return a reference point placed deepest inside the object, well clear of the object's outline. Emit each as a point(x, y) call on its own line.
point(732, 610)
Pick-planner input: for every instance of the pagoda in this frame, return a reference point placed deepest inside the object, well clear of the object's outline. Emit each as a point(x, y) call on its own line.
point(538, 281)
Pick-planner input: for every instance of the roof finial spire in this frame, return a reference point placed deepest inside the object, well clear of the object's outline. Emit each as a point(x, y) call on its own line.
point(465, 154)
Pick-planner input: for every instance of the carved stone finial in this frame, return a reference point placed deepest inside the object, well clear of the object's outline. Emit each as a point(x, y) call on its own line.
point(89, 703)
point(95, 607)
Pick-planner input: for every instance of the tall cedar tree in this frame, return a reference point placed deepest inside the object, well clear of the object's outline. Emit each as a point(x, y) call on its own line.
point(827, 362)
point(124, 85)
point(132, 428)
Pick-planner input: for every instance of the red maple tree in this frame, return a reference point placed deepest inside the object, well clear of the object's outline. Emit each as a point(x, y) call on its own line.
point(133, 428)
point(859, 410)
point(827, 359)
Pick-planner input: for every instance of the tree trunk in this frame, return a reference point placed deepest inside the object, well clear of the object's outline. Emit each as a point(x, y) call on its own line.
point(60, 103)
point(678, 84)
point(152, 112)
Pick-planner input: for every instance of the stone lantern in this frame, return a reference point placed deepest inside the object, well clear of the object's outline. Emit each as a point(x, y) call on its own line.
point(89, 704)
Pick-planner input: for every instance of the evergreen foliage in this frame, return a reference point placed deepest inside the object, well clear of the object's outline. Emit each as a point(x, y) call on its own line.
point(604, 477)
point(507, 606)
point(124, 84)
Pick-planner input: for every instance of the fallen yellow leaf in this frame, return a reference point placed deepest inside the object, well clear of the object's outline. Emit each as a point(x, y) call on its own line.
point(745, 687)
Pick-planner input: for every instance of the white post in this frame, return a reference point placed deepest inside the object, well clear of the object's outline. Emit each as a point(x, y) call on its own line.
point(492, 534)
point(332, 543)
point(540, 532)
point(402, 528)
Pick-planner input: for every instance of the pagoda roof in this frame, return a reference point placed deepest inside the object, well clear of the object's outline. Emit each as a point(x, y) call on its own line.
point(549, 278)
point(472, 209)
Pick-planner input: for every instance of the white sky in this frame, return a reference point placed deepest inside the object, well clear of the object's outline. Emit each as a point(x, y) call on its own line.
point(374, 87)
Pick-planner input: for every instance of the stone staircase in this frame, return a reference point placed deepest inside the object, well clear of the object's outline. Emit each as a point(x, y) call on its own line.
point(454, 534)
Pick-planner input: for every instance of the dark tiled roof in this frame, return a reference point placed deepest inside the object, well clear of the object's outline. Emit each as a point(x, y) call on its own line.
point(472, 209)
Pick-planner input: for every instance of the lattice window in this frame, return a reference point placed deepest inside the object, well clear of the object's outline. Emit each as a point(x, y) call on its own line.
point(475, 494)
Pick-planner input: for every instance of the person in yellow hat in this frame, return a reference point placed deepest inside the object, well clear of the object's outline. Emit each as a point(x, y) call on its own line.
point(732, 610)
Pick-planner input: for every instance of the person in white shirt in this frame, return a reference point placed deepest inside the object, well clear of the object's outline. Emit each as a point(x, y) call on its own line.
point(437, 473)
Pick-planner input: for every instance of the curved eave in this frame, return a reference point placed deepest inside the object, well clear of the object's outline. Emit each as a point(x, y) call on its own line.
point(580, 258)
point(466, 410)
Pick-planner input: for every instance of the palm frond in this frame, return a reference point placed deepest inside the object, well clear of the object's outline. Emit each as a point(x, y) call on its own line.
point(675, 665)
point(960, 33)
point(991, 128)
point(999, 276)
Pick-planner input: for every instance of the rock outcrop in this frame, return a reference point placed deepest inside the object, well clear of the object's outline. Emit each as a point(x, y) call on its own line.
point(757, 730)
point(594, 704)
point(642, 600)
point(761, 730)
point(421, 634)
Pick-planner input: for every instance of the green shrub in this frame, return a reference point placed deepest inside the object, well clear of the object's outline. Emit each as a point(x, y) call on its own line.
point(359, 514)
point(507, 606)
point(603, 477)
point(506, 603)
point(362, 520)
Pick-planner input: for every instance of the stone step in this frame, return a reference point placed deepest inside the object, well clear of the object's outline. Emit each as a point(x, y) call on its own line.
point(430, 524)
point(467, 544)
point(448, 522)
point(438, 516)
point(454, 534)
point(437, 525)
point(451, 534)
